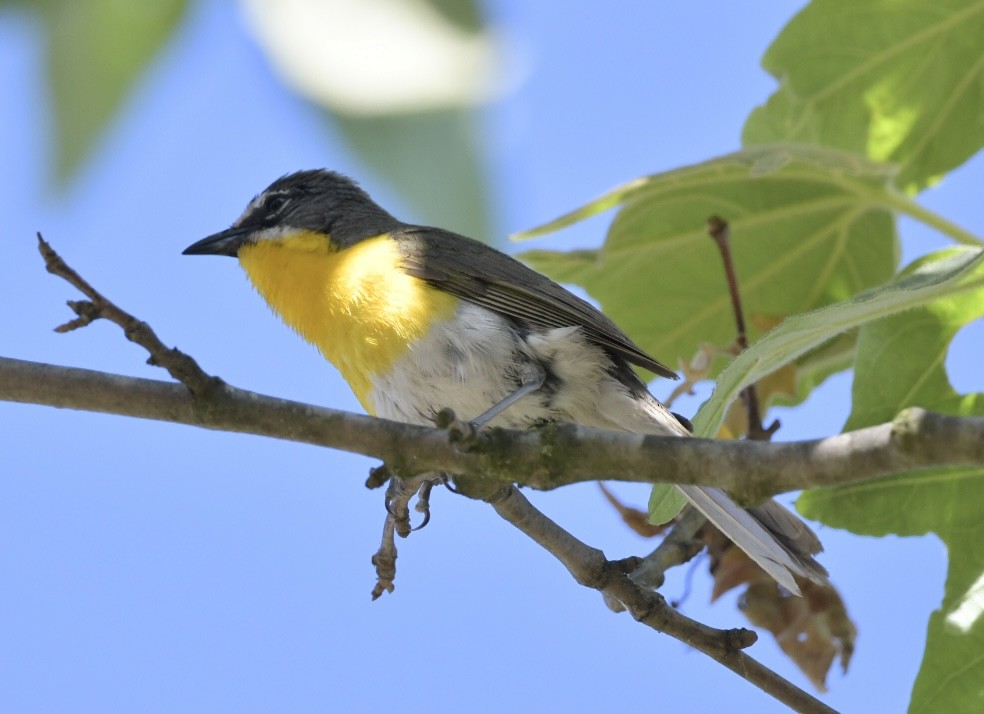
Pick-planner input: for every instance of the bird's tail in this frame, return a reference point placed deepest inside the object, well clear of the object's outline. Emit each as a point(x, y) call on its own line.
point(779, 542)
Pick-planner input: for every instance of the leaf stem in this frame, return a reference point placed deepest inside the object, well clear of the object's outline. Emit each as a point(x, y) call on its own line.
point(904, 204)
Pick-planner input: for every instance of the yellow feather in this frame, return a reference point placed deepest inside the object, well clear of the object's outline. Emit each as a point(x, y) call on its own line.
point(355, 305)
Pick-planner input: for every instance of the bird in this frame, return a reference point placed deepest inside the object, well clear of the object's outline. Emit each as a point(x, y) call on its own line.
point(417, 319)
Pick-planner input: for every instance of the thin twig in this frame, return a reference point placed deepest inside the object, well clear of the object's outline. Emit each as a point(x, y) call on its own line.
point(590, 568)
point(679, 546)
point(179, 365)
point(718, 229)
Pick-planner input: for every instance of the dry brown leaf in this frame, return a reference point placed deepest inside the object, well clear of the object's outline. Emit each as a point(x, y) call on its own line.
point(634, 518)
point(732, 569)
point(699, 368)
point(812, 630)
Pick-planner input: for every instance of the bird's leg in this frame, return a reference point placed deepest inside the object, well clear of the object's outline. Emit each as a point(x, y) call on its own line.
point(397, 523)
point(401, 491)
point(398, 497)
point(384, 560)
point(530, 384)
point(423, 498)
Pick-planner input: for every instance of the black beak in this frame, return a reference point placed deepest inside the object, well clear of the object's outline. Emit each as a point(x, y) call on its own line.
point(227, 242)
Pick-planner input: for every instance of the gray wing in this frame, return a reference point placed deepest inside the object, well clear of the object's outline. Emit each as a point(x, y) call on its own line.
point(487, 277)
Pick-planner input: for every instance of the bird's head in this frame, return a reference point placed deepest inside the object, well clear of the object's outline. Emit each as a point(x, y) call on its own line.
point(310, 203)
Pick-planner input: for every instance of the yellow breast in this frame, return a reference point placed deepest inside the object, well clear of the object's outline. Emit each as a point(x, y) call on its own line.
point(355, 305)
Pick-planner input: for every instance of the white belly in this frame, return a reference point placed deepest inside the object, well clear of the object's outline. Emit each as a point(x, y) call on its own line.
point(472, 361)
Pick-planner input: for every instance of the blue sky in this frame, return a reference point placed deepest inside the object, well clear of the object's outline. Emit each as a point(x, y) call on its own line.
point(154, 567)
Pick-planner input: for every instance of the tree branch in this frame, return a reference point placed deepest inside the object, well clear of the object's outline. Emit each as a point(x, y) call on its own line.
point(590, 568)
point(546, 458)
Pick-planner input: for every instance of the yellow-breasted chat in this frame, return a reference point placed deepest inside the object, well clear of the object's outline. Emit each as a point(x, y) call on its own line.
point(417, 319)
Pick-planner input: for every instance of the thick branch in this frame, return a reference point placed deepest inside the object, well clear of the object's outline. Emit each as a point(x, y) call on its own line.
point(545, 458)
point(590, 568)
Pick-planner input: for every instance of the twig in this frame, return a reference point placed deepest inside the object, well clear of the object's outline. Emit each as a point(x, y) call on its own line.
point(590, 568)
point(718, 229)
point(679, 546)
point(179, 365)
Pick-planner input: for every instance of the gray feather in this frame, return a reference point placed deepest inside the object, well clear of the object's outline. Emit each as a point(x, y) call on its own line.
point(764, 546)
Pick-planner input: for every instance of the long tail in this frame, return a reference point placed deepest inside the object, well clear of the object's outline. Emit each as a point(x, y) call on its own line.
point(781, 543)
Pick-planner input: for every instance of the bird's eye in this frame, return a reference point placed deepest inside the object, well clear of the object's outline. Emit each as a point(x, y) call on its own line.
point(275, 204)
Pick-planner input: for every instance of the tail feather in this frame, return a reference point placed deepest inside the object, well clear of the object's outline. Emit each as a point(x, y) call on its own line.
point(790, 530)
point(780, 543)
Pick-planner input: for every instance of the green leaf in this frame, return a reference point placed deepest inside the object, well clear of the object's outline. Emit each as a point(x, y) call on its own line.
point(949, 274)
point(896, 80)
point(463, 13)
point(665, 502)
point(949, 503)
point(900, 360)
point(900, 363)
point(809, 227)
point(816, 365)
point(96, 51)
point(952, 669)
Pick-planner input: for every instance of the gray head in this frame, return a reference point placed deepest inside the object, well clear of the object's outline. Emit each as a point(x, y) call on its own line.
point(318, 201)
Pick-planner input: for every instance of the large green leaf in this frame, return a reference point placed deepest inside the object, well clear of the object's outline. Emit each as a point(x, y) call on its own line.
point(896, 80)
point(96, 51)
point(953, 273)
point(809, 227)
point(900, 363)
